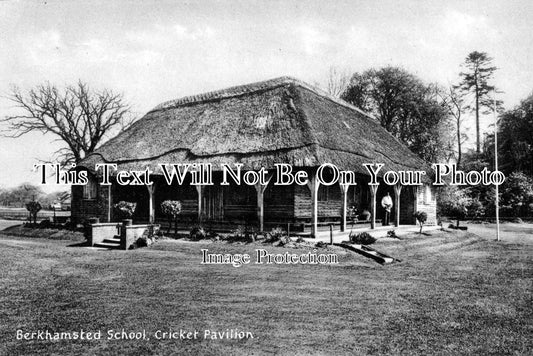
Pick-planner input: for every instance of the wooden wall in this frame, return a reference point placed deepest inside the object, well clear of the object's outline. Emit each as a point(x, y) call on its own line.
point(330, 205)
point(279, 203)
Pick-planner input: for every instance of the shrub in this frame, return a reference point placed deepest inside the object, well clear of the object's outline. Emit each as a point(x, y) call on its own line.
point(148, 238)
point(365, 215)
point(198, 233)
point(278, 237)
point(33, 207)
point(171, 209)
point(125, 209)
point(45, 224)
point(421, 218)
point(351, 214)
point(321, 244)
point(239, 232)
point(276, 233)
point(363, 238)
point(243, 233)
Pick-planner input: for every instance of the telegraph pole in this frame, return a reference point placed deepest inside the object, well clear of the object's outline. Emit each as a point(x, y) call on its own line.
point(497, 200)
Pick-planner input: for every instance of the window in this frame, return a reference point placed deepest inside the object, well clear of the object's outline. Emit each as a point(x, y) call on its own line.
point(89, 189)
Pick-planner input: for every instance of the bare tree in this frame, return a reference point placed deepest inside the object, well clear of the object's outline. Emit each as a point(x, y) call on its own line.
point(80, 117)
point(454, 104)
point(337, 81)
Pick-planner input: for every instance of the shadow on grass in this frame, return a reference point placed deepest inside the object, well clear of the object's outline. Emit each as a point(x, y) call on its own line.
point(11, 228)
point(80, 244)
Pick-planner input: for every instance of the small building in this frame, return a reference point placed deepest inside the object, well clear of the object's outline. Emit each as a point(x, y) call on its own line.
point(281, 120)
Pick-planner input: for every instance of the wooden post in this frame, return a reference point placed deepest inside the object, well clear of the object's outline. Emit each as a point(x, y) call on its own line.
point(260, 205)
point(344, 191)
point(109, 203)
point(397, 191)
point(313, 186)
point(151, 204)
point(200, 190)
point(260, 202)
point(373, 192)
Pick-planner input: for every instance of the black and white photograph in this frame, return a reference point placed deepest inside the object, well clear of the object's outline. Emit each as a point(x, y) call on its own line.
point(231, 177)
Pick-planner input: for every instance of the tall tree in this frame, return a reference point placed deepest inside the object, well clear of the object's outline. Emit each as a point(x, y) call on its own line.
point(475, 82)
point(405, 106)
point(80, 117)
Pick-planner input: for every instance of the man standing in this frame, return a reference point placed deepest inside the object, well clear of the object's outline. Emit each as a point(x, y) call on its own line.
point(386, 203)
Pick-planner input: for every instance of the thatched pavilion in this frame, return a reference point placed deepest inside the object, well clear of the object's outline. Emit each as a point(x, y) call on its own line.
point(277, 121)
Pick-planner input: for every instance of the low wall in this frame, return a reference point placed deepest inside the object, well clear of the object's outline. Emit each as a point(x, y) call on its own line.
point(98, 232)
point(130, 234)
point(101, 231)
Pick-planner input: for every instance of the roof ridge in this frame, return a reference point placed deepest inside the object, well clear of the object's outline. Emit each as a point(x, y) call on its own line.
point(252, 88)
point(225, 93)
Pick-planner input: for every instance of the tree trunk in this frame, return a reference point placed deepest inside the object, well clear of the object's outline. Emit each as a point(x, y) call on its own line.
point(459, 150)
point(478, 143)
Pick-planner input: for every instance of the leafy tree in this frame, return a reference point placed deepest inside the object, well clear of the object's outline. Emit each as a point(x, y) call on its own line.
point(515, 136)
point(171, 209)
point(458, 203)
point(80, 117)
point(517, 194)
point(473, 161)
point(405, 107)
point(3, 195)
point(475, 82)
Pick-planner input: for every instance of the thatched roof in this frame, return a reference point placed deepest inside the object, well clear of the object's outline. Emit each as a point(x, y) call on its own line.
point(281, 120)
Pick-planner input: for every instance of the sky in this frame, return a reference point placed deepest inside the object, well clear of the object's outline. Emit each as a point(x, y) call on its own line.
point(154, 51)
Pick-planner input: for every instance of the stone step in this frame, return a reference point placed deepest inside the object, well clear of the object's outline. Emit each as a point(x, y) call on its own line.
point(108, 245)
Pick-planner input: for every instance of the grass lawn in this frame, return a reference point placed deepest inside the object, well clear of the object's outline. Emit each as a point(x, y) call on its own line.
point(453, 293)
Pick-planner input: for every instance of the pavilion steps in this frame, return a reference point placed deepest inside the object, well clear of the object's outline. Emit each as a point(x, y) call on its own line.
point(110, 243)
